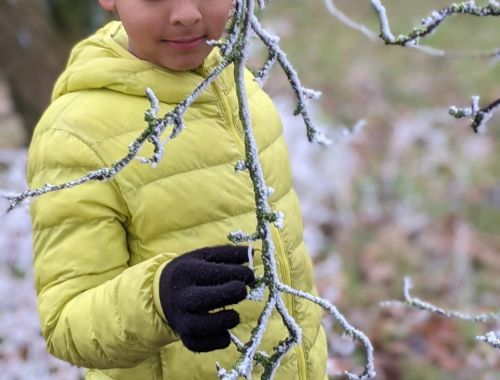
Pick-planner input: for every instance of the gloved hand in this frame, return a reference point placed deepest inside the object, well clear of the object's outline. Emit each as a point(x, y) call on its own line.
point(199, 281)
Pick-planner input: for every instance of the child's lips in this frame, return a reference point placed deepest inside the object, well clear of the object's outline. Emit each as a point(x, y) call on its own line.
point(185, 43)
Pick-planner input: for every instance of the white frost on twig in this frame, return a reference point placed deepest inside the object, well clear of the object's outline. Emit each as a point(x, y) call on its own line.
point(385, 28)
point(265, 216)
point(417, 303)
point(429, 24)
point(369, 370)
point(478, 116)
point(413, 40)
point(492, 338)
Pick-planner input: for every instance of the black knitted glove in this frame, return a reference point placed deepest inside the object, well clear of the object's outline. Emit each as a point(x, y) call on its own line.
point(199, 281)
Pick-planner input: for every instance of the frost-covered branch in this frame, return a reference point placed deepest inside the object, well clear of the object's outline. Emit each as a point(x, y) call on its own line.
point(153, 133)
point(478, 116)
point(155, 129)
point(303, 94)
point(235, 50)
point(417, 303)
point(492, 338)
point(369, 370)
point(266, 217)
point(372, 36)
point(429, 24)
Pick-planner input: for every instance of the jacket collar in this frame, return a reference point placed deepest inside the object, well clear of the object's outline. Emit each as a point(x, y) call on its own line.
point(102, 61)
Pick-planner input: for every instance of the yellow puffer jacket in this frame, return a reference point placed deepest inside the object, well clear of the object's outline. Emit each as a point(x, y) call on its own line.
point(100, 247)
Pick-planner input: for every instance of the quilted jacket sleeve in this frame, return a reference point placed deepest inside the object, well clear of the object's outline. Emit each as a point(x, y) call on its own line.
point(96, 311)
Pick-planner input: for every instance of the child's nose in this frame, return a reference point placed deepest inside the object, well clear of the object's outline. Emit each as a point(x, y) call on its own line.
point(185, 12)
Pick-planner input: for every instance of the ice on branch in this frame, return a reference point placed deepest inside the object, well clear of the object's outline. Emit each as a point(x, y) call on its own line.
point(419, 304)
point(277, 218)
point(492, 338)
point(239, 237)
point(349, 330)
point(478, 116)
point(258, 292)
point(302, 94)
point(431, 22)
point(155, 129)
point(385, 28)
point(311, 94)
point(240, 166)
point(428, 25)
point(265, 216)
point(160, 130)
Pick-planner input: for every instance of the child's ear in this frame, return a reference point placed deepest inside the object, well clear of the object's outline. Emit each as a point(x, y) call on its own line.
point(108, 5)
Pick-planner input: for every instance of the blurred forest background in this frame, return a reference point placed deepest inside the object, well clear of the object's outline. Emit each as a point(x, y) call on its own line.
point(414, 192)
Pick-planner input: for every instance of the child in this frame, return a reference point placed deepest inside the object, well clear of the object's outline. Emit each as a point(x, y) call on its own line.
point(126, 283)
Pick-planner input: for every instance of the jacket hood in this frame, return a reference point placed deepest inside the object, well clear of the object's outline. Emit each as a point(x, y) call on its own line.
point(102, 61)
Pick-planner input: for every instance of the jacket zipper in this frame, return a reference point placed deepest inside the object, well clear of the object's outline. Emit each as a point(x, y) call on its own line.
point(226, 111)
point(278, 240)
point(289, 301)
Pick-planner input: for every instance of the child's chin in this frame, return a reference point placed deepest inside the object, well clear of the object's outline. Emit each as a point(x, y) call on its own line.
point(182, 65)
point(183, 68)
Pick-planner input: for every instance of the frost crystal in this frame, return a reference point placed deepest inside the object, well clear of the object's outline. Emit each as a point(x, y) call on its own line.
point(257, 293)
point(278, 219)
point(240, 166)
point(491, 338)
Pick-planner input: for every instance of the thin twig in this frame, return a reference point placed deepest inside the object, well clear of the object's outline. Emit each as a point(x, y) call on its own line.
point(478, 116)
point(491, 338)
point(369, 369)
point(301, 93)
point(156, 127)
point(417, 303)
point(385, 35)
point(431, 22)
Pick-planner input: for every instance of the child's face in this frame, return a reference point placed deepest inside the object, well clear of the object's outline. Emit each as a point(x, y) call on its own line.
point(171, 33)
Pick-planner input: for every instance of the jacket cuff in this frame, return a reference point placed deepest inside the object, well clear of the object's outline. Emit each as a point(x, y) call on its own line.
point(156, 291)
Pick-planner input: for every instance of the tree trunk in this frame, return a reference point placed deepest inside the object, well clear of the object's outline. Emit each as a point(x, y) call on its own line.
point(32, 55)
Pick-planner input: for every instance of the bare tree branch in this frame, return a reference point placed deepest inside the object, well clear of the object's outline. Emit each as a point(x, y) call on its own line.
point(431, 22)
point(417, 303)
point(266, 217)
point(478, 116)
point(412, 40)
point(491, 338)
point(235, 50)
